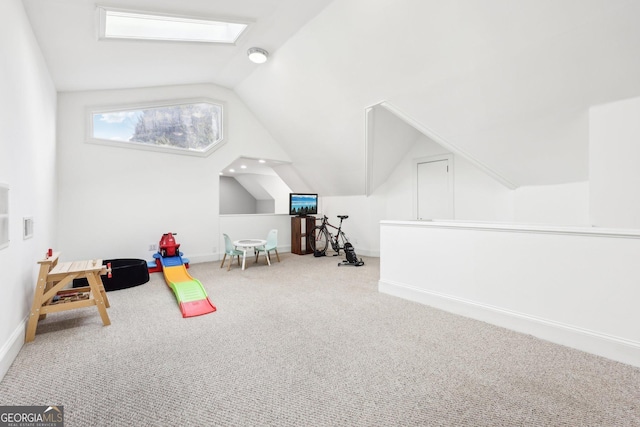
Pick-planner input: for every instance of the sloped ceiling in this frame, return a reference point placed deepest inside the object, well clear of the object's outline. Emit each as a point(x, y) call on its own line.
point(67, 34)
point(509, 82)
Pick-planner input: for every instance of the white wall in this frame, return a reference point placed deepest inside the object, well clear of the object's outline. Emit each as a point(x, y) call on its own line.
point(562, 204)
point(477, 197)
point(573, 286)
point(268, 189)
point(510, 85)
point(115, 202)
point(358, 226)
point(278, 192)
point(27, 165)
point(255, 227)
point(265, 206)
point(388, 138)
point(614, 159)
point(234, 198)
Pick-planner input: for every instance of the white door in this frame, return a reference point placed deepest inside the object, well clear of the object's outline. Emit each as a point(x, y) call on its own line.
point(435, 195)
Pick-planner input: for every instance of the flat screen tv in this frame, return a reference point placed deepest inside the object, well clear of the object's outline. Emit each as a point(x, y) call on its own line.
point(302, 204)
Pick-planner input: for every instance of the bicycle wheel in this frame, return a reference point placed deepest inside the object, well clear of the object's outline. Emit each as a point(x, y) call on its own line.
point(318, 239)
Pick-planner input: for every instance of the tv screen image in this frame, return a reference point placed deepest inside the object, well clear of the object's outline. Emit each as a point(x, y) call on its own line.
point(302, 204)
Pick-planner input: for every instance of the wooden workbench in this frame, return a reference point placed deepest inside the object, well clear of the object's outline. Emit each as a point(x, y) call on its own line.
point(51, 297)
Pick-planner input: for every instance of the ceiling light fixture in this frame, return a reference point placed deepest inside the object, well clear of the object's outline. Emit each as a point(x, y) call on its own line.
point(257, 55)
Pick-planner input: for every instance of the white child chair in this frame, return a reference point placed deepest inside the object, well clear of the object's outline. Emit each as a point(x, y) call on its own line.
point(271, 245)
point(231, 251)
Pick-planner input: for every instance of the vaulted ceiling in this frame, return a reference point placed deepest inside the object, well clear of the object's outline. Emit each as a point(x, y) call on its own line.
point(507, 82)
point(67, 33)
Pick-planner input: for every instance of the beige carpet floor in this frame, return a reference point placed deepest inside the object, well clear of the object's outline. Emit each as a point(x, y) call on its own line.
point(307, 343)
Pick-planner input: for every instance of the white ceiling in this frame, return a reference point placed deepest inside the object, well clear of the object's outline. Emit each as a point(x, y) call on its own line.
point(66, 33)
point(508, 82)
point(247, 165)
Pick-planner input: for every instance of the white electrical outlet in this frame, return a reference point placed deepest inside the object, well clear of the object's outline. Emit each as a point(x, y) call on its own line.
point(153, 247)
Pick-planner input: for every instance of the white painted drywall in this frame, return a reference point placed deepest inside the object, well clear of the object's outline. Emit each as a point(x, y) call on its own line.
point(28, 166)
point(562, 204)
point(388, 138)
point(266, 188)
point(234, 198)
point(265, 206)
point(614, 164)
point(510, 85)
point(278, 192)
point(573, 286)
point(255, 227)
point(477, 197)
point(114, 202)
point(358, 226)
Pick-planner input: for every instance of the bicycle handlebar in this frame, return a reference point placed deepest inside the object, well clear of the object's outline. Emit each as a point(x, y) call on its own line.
point(324, 217)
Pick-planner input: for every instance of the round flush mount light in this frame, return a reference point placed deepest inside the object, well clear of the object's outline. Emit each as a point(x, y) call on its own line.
point(257, 55)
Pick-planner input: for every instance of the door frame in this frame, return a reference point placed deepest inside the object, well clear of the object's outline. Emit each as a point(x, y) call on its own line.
point(414, 181)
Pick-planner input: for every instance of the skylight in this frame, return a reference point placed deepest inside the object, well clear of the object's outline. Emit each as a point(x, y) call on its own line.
point(122, 24)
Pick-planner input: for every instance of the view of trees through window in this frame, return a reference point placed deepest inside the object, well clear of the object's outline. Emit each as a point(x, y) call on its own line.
point(196, 126)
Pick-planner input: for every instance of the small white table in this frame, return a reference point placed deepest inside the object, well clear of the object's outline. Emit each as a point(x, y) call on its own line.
point(249, 243)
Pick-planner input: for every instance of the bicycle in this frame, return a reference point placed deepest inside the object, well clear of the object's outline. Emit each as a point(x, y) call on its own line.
point(321, 236)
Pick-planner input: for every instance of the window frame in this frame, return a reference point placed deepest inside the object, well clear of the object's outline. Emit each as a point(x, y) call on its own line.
point(115, 108)
point(102, 10)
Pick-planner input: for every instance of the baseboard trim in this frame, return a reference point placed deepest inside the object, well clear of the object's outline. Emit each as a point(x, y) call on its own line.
point(10, 349)
point(199, 259)
point(611, 347)
point(364, 252)
point(217, 256)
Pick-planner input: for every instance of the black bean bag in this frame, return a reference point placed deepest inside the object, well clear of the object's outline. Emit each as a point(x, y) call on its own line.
point(125, 273)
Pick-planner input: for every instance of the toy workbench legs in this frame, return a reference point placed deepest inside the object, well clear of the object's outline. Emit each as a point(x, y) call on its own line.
point(53, 277)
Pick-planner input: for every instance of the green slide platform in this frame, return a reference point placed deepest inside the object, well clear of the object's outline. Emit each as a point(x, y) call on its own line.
point(189, 292)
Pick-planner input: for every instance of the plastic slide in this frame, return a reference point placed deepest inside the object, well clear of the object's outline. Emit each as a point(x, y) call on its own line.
point(189, 292)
